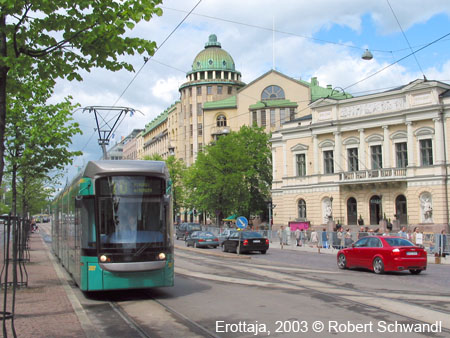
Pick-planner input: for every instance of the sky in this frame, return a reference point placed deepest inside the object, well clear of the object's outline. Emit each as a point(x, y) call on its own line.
point(300, 38)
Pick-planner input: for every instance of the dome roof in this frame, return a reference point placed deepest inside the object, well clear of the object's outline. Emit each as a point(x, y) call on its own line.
point(213, 57)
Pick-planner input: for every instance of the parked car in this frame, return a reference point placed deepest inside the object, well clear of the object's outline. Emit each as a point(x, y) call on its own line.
point(380, 254)
point(202, 239)
point(185, 229)
point(225, 234)
point(249, 241)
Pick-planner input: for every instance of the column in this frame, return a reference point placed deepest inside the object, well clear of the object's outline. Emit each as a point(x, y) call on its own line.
point(316, 154)
point(439, 140)
point(362, 148)
point(409, 129)
point(214, 74)
point(386, 152)
point(285, 161)
point(338, 152)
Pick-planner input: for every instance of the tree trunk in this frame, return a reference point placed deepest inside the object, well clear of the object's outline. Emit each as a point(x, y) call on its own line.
point(3, 77)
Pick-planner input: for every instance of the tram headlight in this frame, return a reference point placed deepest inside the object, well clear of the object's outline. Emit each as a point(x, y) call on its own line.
point(103, 258)
point(162, 256)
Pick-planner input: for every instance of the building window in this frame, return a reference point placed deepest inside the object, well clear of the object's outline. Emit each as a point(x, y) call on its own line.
point(192, 150)
point(291, 113)
point(282, 116)
point(272, 117)
point(209, 90)
point(221, 121)
point(328, 161)
point(263, 118)
point(200, 129)
point(190, 110)
point(272, 93)
point(230, 90)
point(219, 89)
point(199, 90)
point(199, 109)
point(352, 155)
point(255, 117)
point(190, 91)
point(191, 130)
point(426, 152)
point(301, 164)
point(401, 152)
point(301, 209)
point(376, 155)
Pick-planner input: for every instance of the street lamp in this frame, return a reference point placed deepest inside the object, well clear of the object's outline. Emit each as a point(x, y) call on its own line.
point(367, 55)
point(271, 207)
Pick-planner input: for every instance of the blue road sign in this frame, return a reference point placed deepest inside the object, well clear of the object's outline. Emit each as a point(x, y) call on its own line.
point(241, 222)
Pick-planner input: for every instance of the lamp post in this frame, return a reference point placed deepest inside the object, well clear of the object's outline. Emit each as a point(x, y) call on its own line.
point(271, 207)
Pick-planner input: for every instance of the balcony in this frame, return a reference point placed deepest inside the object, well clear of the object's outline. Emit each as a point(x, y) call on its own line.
point(372, 175)
point(220, 130)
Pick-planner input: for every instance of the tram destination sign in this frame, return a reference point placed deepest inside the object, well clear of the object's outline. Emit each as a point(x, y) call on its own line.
point(131, 185)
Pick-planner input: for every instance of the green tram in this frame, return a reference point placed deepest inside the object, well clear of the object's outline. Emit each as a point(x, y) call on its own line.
point(112, 228)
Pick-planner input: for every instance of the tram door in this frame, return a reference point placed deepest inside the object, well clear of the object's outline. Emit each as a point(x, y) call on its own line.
point(375, 210)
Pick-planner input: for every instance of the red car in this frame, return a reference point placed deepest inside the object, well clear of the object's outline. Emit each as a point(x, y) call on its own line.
point(379, 253)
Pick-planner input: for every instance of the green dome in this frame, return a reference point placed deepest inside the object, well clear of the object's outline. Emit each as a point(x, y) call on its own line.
point(213, 57)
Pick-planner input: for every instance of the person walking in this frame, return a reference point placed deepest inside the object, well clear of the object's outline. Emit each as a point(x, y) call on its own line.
point(282, 236)
point(402, 232)
point(297, 237)
point(324, 239)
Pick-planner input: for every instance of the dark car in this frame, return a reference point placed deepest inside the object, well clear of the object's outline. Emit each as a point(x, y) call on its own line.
point(225, 234)
point(202, 239)
point(249, 241)
point(380, 253)
point(185, 229)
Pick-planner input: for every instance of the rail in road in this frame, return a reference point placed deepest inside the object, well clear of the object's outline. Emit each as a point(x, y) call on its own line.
point(207, 288)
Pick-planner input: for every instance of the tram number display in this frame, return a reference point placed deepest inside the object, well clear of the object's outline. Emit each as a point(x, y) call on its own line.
point(130, 185)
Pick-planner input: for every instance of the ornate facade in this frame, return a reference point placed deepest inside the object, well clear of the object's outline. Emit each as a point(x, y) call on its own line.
point(380, 157)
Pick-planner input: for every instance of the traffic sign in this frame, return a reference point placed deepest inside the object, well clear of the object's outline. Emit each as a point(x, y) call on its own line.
point(241, 222)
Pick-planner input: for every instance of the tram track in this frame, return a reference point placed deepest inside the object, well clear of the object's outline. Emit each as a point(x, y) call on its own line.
point(398, 305)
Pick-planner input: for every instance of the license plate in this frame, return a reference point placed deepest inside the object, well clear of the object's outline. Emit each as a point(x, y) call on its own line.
point(256, 241)
point(209, 240)
point(411, 253)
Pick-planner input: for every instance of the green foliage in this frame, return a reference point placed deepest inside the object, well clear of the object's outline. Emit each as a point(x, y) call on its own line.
point(177, 169)
point(232, 176)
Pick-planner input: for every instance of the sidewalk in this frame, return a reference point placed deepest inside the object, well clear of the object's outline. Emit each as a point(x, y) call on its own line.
point(43, 309)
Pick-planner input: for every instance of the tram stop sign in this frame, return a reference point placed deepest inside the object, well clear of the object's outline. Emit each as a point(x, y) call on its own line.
point(241, 222)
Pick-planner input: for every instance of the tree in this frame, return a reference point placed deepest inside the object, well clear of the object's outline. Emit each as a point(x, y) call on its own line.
point(177, 169)
point(57, 39)
point(38, 136)
point(232, 175)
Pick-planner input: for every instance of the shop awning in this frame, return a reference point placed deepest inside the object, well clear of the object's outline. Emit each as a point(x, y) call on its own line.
point(231, 218)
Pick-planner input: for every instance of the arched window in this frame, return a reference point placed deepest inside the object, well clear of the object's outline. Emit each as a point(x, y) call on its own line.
point(401, 212)
point(221, 121)
point(302, 209)
point(272, 93)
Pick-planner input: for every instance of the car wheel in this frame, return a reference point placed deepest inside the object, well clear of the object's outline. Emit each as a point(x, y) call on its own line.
point(224, 249)
point(378, 266)
point(342, 261)
point(415, 271)
point(263, 252)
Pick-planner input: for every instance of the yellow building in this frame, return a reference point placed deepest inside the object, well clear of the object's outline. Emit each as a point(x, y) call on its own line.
point(377, 157)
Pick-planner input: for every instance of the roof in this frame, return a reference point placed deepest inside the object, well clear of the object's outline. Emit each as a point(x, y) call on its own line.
point(229, 102)
point(99, 168)
point(213, 57)
point(158, 120)
point(273, 103)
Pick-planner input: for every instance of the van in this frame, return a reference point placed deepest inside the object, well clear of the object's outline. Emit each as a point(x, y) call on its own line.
point(185, 229)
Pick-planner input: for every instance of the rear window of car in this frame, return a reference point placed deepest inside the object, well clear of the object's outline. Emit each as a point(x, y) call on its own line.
point(251, 234)
point(398, 242)
point(207, 234)
point(194, 227)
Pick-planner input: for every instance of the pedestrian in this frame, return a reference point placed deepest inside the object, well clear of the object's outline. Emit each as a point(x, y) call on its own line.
point(402, 232)
point(414, 235)
point(324, 239)
point(348, 241)
point(362, 233)
point(387, 232)
point(282, 236)
point(297, 237)
point(314, 238)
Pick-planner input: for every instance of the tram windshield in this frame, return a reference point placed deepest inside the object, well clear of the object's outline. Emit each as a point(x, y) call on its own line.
point(132, 213)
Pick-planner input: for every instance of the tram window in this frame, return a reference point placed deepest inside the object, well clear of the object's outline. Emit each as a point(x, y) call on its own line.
point(88, 237)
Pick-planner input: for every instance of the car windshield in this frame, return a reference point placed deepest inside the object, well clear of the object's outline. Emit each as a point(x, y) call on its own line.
point(195, 227)
point(398, 242)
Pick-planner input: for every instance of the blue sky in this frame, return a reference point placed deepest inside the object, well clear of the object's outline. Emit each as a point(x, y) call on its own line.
point(344, 27)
